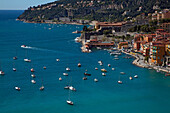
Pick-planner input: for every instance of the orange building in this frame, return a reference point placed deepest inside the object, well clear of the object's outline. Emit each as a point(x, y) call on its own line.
point(158, 52)
point(123, 45)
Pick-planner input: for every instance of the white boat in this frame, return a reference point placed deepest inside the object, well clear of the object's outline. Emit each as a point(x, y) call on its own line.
point(122, 73)
point(113, 68)
point(15, 57)
point(72, 88)
point(130, 78)
point(84, 78)
point(96, 68)
point(99, 48)
point(67, 69)
point(17, 88)
point(33, 76)
point(116, 58)
point(66, 87)
point(33, 81)
point(101, 64)
point(77, 39)
point(27, 60)
point(65, 74)
point(96, 80)
point(70, 102)
point(120, 82)
point(109, 65)
point(14, 69)
point(57, 60)
point(104, 74)
point(136, 76)
point(45, 67)
point(99, 61)
point(60, 79)
point(23, 46)
point(2, 73)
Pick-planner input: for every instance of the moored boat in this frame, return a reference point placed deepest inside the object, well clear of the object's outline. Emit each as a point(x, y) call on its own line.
point(17, 88)
point(96, 80)
point(65, 74)
point(14, 69)
point(103, 70)
point(120, 82)
point(84, 78)
point(60, 79)
point(67, 69)
point(79, 65)
point(70, 102)
point(130, 78)
point(33, 81)
point(104, 74)
point(27, 60)
point(88, 74)
point(32, 70)
point(72, 88)
point(136, 76)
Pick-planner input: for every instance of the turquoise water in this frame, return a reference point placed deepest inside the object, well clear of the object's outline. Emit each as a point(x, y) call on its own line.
point(147, 94)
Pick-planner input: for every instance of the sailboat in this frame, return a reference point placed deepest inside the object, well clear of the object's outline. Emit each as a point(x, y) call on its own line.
point(15, 57)
point(69, 101)
point(1, 72)
point(42, 87)
point(119, 81)
point(26, 59)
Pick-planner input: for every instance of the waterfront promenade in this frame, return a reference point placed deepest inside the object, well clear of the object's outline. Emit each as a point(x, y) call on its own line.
point(139, 61)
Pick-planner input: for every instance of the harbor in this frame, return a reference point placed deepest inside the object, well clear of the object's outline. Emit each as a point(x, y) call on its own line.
point(38, 85)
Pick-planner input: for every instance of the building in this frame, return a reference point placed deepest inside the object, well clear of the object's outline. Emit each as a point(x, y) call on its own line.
point(166, 27)
point(158, 53)
point(123, 45)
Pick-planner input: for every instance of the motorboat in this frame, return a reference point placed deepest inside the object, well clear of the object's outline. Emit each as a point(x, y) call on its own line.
point(87, 74)
point(122, 73)
point(14, 69)
point(103, 70)
point(99, 48)
point(41, 88)
point(33, 81)
point(32, 75)
point(23, 46)
point(104, 74)
point(109, 65)
point(45, 67)
point(84, 78)
point(66, 87)
point(65, 74)
point(67, 69)
point(77, 39)
point(70, 102)
point(120, 82)
point(2, 73)
point(79, 65)
point(72, 88)
point(60, 79)
point(27, 60)
point(100, 62)
point(15, 58)
point(17, 88)
point(57, 60)
point(96, 68)
point(116, 58)
point(32, 70)
point(96, 80)
point(130, 78)
point(113, 68)
point(136, 76)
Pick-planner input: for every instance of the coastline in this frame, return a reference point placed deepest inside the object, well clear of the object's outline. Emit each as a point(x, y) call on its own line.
point(140, 63)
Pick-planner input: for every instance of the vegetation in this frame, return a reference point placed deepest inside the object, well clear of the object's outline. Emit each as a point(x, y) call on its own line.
point(101, 10)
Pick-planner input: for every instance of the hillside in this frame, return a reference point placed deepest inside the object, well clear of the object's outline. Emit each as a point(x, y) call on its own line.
point(101, 10)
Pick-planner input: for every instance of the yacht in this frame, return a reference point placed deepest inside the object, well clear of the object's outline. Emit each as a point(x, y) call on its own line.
point(17, 88)
point(23, 46)
point(27, 60)
point(2, 73)
point(96, 80)
point(32, 70)
point(130, 78)
point(65, 74)
point(120, 82)
point(72, 88)
point(33, 81)
point(104, 74)
point(136, 76)
point(57, 60)
point(14, 69)
point(69, 102)
point(60, 79)
point(67, 69)
point(109, 65)
point(103, 70)
point(84, 78)
point(79, 65)
point(32, 75)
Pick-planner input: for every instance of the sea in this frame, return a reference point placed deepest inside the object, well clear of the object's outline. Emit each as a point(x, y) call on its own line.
point(149, 93)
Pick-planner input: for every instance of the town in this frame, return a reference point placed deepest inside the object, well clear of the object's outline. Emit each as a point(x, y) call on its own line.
point(150, 49)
